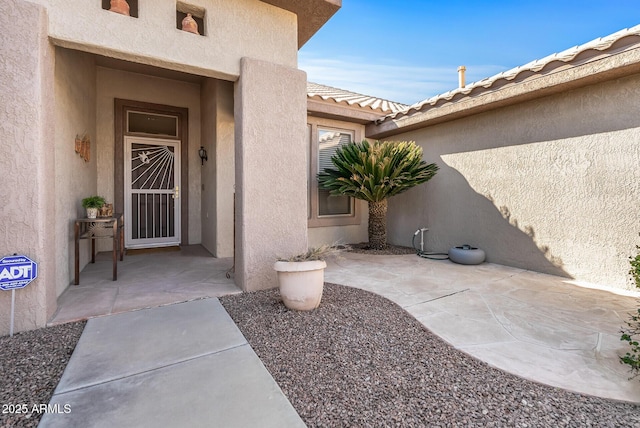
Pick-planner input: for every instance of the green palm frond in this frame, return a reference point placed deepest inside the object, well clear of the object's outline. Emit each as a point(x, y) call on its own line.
point(376, 171)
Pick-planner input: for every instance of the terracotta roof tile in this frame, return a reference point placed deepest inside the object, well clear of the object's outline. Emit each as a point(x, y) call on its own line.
point(576, 55)
point(341, 96)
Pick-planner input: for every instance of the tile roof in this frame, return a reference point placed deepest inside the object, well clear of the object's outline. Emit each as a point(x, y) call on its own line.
point(576, 55)
point(340, 96)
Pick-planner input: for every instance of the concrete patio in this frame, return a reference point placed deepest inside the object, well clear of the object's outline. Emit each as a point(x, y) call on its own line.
point(540, 327)
point(537, 326)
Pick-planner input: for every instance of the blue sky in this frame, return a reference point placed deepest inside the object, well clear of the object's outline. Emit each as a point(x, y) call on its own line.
point(409, 50)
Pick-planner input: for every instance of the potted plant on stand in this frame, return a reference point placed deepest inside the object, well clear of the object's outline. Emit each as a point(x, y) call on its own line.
point(92, 205)
point(301, 277)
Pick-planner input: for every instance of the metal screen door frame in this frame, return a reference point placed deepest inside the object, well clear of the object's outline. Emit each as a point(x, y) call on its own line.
point(155, 225)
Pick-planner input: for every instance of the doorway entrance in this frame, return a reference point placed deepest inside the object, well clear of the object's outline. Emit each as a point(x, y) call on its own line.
point(152, 192)
point(151, 173)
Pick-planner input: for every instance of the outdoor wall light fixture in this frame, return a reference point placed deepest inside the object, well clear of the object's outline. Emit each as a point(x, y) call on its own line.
point(203, 155)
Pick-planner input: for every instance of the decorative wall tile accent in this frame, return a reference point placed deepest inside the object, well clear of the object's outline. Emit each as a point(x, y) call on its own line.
point(83, 147)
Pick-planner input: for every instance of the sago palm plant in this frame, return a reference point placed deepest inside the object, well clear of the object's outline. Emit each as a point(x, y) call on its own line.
point(374, 172)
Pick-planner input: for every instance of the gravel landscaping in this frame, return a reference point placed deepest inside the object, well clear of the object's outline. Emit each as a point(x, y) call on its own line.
point(31, 364)
point(361, 360)
point(394, 250)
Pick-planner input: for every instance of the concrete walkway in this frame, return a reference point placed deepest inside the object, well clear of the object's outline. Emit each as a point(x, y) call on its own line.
point(183, 365)
point(540, 327)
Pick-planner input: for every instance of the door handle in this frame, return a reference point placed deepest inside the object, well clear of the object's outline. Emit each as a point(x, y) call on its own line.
point(176, 193)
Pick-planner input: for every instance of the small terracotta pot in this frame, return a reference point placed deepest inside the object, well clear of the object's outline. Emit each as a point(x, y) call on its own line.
point(120, 6)
point(189, 24)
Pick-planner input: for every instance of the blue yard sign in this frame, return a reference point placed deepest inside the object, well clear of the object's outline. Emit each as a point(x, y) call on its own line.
point(17, 272)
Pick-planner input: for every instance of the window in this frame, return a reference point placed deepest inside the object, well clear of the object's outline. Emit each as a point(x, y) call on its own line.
point(152, 124)
point(328, 142)
point(325, 209)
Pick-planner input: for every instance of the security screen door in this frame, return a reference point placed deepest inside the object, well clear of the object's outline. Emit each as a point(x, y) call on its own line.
point(152, 192)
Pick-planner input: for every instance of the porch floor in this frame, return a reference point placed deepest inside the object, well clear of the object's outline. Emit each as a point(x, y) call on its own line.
point(145, 280)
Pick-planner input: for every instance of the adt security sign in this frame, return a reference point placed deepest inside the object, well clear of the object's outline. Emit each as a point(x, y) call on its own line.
point(17, 272)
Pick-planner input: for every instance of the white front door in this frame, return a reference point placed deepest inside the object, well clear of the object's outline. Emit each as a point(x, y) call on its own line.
point(152, 192)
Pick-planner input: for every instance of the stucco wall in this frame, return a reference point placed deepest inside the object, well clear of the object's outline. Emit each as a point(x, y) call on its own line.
point(208, 187)
point(75, 98)
point(233, 29)
point(27, 190)
point(271, 170)
point(218, 173)
point(113, 84)
point(550, 185)
point(349, 234)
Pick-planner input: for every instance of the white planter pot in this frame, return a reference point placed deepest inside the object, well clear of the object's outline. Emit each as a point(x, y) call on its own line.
point(92, 212)
point(301, 283)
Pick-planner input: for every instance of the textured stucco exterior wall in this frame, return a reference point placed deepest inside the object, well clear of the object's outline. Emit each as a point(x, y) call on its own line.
point(75, 114)
point(349, 234)
point(225, 169)
point(28, 187)
point(207, 140)
point(271, 170)
point(550, 185)
point(113, 84)
point(233, 29)
point(218, 173)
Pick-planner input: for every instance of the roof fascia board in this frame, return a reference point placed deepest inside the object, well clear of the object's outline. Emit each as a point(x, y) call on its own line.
point(341, 112)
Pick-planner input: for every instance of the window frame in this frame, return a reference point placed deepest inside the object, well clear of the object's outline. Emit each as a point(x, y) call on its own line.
point(314, 125)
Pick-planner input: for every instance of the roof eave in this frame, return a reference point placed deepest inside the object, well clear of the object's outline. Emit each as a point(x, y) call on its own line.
point(312, 14)
point(336, 111)
point(607, 68)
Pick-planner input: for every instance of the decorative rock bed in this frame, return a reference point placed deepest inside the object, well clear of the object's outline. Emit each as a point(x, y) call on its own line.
point(361, 360)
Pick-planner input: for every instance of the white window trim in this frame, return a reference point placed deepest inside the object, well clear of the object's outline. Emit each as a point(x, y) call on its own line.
point(316, 220)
